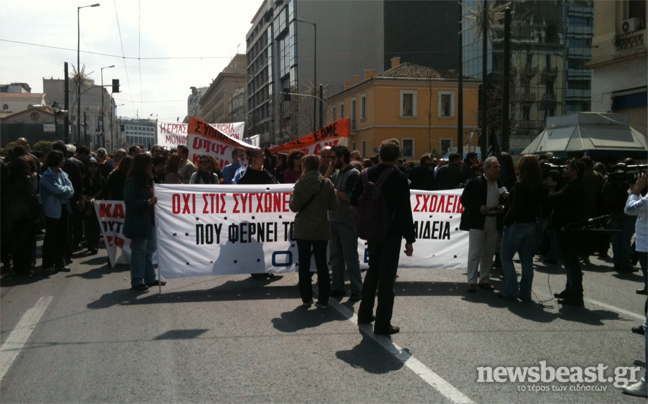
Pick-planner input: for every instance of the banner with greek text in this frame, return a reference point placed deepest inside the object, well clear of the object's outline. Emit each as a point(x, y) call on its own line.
point(242, 229)
point(336, 133)
point(171, 134)
point(204, 139)
point(111, 215)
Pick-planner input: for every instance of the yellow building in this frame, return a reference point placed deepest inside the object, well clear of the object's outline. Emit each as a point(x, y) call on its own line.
point(412, 103)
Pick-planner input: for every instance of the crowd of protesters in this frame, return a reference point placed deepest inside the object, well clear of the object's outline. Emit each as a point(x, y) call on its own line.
point(529, 210)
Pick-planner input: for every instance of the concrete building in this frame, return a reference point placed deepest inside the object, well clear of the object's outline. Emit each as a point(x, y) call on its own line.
point(193, 102)
point(141, 132)
point(92, 134)
point(619, 51)
point(416, 104)
point(14, 102)
point(550, 45)
point(280, 59)
point(216, 105)
point(15, 88)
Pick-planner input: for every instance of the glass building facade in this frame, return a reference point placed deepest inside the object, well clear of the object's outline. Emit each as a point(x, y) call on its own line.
point(550, 44)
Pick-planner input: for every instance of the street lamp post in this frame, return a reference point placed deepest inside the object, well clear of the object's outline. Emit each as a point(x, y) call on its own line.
point(79, 68)
point(314, 69)
point(102, 133)
point(55, 110)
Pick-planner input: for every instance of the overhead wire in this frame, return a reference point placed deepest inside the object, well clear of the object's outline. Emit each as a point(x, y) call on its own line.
point(121, 42)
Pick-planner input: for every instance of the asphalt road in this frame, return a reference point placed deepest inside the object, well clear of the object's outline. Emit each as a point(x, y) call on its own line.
point(89, 338)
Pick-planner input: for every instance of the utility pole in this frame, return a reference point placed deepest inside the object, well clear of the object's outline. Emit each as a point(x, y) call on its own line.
point(66, 130)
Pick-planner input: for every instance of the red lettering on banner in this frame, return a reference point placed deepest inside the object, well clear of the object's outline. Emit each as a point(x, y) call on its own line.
point(113, 210)
point(236, 203)
point(214, 203)
point(183, 203)
point(438, 203)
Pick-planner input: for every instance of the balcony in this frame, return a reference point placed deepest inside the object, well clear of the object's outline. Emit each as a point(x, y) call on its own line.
point(631, 40)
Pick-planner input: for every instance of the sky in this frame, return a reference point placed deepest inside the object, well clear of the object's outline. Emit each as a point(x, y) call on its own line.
point(160, 48)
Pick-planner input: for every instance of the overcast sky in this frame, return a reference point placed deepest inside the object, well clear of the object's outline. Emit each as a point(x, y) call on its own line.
point(193, 39)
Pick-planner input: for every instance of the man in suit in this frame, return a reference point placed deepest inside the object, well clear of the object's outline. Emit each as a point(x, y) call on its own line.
point(482, 218)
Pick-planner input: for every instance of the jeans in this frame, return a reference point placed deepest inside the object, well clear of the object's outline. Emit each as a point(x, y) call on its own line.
point(643, 262)
point(344, 253)
point(323, 278)
point(383, 264)
point(621, 242)
point(141, 263)
point(518, 238)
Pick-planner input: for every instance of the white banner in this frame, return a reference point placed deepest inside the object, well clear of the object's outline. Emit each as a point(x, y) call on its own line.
point(241, 229)
point(111, 216)
point(171, 135)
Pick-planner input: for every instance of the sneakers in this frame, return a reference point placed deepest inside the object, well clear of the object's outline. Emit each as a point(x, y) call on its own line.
point(639, 389)
point(308, 304)
point(322, 305)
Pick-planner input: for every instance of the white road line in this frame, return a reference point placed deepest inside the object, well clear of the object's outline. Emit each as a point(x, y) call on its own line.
point(19, 336)
point(416, 366)
point(616, 309)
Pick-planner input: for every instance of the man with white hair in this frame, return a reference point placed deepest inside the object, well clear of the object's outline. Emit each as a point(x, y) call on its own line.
point(482, 218)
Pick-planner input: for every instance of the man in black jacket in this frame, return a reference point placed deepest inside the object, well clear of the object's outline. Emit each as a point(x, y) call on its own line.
point(449, 176)
point(569, 208)
point(384, 252)
point(482, 217)
point(422, 175)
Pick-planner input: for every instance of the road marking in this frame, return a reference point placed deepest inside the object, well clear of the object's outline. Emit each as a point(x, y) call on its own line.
point(416, 366)
point(19, 336)
point(618, 310)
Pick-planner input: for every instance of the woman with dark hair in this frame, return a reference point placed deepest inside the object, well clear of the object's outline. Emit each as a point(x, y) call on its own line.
point(113, 190)
point(281, 165)
point(216, 168)
point(312, 198)
point(93, 183)
point(55, 191)
point(205, 173)
point(139, 223)
point(294, 170)
point(173, 170)
point(520, 228)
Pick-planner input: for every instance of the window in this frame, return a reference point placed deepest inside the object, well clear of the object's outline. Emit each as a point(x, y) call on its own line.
point(363, 106)
point(5, 107)
point(353, 113)
point(446, 104)
point(363, 148)
point(342, 110)
point(408, 104)
point(333, 113)
point(445, 145)
point(408, 148)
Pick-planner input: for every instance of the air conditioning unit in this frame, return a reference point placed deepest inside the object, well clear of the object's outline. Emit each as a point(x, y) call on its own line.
point(631, 25)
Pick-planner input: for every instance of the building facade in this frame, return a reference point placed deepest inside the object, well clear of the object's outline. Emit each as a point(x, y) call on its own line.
point(193, 102)
point(216, 105)
point(141, 132)
point(98, 121)
point(416, 104)
point(618, 63)
point(550, 46)
point(281, 59)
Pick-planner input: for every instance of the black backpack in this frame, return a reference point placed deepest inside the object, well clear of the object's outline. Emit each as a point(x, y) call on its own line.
point(373, 219)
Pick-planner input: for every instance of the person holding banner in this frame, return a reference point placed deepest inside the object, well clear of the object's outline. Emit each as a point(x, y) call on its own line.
point(238, 156)
point(139, 222)
point(256, 174)
point(312, 197)
point(204, 175)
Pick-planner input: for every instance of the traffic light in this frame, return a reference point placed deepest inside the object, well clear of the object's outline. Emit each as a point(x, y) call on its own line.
point(115, 86)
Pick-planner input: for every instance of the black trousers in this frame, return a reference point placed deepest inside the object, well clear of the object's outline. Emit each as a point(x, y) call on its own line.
point(55, 242)
point(323, 277)
point(568, 245)
point(383, 264)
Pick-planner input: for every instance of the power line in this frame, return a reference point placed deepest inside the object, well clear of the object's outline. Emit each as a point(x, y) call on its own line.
point(121, 42)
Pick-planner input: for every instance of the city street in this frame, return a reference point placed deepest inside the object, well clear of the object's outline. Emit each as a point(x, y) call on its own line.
point(89, 338)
